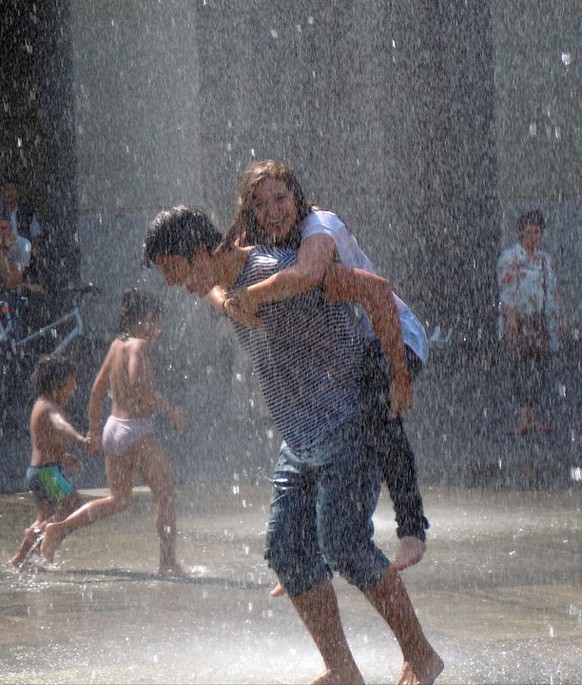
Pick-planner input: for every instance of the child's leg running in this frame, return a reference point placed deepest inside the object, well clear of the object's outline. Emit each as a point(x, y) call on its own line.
point(44, 510)
point(120, 472)
point(154, 467)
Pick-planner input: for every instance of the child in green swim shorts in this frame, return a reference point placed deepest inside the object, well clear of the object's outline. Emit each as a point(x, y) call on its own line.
point(51, 433)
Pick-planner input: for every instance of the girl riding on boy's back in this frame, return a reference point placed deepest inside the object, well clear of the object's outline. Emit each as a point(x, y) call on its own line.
point(272, 210)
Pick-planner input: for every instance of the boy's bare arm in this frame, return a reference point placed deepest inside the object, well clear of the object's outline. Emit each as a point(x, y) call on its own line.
point(349, 284)
point(65, 432)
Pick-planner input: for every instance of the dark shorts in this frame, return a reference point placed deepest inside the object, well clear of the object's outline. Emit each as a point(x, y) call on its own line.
point(48, 484)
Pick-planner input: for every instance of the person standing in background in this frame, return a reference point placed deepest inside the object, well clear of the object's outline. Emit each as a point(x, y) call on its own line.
point(22, 217)
point(529, 317)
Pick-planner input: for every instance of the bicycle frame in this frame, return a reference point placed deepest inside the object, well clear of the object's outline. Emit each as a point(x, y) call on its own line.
point(73, 315)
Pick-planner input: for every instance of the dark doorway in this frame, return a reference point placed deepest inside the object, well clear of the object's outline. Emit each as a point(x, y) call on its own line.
point(37, 133)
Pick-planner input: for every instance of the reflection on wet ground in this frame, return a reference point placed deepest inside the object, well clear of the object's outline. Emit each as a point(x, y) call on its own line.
point(498, 594)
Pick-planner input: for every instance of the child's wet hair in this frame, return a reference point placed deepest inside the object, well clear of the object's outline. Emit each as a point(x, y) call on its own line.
point(137, 305)
point(180, 230)
point(51, 372)
point(245, 229)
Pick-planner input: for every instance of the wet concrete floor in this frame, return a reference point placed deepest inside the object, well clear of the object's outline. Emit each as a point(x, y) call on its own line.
point(499, 594)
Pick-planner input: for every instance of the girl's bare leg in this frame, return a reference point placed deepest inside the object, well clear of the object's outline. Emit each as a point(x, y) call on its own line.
point(390, 599)
point(156, 472)
point(120, 472)
point(319, 612)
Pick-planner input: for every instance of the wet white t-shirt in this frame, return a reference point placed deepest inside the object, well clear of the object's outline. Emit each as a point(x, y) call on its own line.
point(351, 254)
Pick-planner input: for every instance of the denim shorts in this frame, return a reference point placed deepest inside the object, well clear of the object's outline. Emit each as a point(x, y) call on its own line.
point(321, 515)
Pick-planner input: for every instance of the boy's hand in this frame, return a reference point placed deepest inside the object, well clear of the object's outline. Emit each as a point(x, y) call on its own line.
point(235, 309)
point(93, 444)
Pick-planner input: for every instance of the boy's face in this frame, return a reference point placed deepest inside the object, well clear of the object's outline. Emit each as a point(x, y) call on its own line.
point(67, 388)
point(196, 276)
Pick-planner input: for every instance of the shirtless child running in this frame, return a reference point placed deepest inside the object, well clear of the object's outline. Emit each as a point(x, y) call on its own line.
point(50, 435)
point(129, 443)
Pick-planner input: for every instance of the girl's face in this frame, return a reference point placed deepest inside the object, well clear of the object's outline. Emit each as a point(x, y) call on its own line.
point(531, 238)
point(275, 208)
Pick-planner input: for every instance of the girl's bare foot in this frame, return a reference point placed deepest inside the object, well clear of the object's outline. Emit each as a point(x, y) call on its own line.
point(51, 541)
point(277, 591)
point(410, 551)
point(178, 571)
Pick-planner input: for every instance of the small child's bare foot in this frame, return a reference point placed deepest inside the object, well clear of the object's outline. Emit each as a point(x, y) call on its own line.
point(410, 551)
point(425, 673)
point(349, 675)
point(50, 542)
point(17, 561)
point(277, 591)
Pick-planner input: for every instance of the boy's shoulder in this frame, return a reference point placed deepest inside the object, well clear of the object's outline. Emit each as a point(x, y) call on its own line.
point(45, 405)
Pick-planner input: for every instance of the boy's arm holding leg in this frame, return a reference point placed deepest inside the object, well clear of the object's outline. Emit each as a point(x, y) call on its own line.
point(349, 284)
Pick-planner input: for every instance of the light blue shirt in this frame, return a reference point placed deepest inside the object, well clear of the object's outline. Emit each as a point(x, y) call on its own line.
point(351, 254)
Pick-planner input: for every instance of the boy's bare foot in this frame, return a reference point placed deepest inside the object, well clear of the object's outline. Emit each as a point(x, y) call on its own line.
point(426, 672)
point(410, 551)
point(51, 541)
point(277, 591)
point(34, 537)
point(330, 677)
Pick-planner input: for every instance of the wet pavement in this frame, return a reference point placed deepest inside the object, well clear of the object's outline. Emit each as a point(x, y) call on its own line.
point(498, 593)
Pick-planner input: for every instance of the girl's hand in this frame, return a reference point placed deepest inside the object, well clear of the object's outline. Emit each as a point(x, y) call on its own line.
point(401, 394)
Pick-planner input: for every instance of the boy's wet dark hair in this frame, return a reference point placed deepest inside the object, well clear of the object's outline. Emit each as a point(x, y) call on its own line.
point(179, 231)
point(535, 216)
point(137, 305)
point(50, 373)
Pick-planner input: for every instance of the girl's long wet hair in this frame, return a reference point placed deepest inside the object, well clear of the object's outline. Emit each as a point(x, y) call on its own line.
point(137, 305)
point(245, 229)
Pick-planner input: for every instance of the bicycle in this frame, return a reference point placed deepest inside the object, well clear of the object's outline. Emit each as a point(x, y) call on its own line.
point(19, 354)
